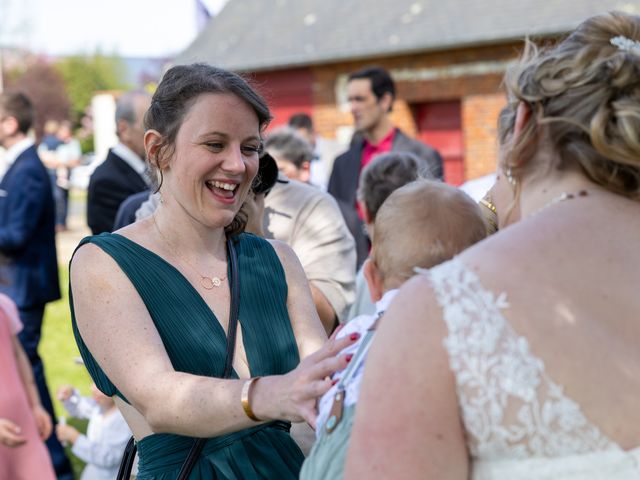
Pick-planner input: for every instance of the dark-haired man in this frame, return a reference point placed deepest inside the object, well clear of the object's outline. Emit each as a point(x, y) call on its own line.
point(29, 273)
point(371, 92)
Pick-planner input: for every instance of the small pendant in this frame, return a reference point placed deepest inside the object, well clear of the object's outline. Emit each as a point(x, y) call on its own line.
point(335, 414)
point(208, 283)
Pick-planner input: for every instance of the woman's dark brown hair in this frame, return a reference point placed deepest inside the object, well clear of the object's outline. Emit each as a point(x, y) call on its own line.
point(180, 87)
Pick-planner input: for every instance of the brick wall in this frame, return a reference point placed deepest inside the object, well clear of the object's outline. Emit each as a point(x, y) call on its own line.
point(471, 75)
point(479, 120)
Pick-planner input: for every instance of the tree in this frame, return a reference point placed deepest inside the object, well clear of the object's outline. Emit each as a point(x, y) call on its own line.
point(46, 89)
point(84, 76)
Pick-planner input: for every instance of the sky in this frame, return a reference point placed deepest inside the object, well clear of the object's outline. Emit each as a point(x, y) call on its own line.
point(129, 28)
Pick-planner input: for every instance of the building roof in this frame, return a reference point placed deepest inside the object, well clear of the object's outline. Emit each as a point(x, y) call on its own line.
point(273, 34)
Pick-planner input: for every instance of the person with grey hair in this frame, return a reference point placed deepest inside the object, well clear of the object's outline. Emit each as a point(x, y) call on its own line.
point(292, 153)
point(123, 172)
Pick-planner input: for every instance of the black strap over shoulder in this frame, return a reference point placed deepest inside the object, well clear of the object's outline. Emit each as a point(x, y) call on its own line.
point(234, 286)
point(126, 464)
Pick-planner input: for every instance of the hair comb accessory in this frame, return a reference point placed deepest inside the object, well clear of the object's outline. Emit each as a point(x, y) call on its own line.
point(624, 43)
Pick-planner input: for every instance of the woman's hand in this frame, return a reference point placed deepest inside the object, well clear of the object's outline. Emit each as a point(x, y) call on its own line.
point(293, 396)
point(67, 434)
point(43, 421)
point(10, 434)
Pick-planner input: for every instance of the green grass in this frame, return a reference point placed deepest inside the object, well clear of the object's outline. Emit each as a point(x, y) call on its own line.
point(59, 353)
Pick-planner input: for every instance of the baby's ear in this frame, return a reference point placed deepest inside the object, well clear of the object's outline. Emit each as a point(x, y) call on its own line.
point(374, 279)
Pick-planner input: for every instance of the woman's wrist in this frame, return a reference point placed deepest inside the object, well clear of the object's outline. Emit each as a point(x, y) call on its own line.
point(34, 401)
point(245, 398)
point(261, 398)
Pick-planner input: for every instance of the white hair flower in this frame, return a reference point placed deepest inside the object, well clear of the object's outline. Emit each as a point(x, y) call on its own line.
point(624, 43)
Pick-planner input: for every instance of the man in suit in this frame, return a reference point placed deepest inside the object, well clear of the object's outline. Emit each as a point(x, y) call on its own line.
point(371, 93)
point(29, 272)
point(123, 172)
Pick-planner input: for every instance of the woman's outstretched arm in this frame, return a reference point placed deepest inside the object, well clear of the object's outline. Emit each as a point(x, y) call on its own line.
point(407, 423)
point(117, 329)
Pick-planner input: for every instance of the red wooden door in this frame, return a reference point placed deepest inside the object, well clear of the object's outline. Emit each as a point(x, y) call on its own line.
point(440, 125)
point(287, 92)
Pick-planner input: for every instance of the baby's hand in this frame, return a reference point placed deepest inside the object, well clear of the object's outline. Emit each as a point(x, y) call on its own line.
point(67, 434)
point(65, 392)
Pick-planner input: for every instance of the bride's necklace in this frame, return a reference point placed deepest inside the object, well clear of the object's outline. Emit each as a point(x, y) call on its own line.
point(561, 198)
point(208, 283)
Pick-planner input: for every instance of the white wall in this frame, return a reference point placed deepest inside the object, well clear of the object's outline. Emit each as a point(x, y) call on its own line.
point(103, 107)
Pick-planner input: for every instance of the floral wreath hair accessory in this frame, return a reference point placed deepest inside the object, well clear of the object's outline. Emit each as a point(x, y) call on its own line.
point(624, 43)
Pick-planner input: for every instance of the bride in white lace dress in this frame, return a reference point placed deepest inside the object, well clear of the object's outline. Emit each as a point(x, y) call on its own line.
point(520, 359)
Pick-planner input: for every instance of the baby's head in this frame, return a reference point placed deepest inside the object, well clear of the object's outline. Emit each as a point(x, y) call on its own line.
point(421, 224)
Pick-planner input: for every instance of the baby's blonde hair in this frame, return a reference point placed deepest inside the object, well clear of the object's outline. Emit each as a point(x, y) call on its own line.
point(584, 95)
point(423, 224)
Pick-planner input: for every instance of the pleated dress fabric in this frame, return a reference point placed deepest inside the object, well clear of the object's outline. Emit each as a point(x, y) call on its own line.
point(196, 343)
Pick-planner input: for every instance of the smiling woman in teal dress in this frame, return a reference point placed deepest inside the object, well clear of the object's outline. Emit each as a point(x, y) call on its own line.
point(151, 302)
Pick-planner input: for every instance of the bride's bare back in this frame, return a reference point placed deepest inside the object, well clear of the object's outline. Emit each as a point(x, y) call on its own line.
point(572, 294)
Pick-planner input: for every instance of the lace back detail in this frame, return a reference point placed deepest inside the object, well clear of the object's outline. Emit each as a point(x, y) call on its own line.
point(510, 407)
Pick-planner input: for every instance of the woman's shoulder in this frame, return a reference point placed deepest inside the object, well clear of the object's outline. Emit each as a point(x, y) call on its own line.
point(495, 261)
point(253, 245)
point(99, 240)
point(254, 251)
point(89, 249)
point(96, 258)
point(285, 254)
point(265, 247)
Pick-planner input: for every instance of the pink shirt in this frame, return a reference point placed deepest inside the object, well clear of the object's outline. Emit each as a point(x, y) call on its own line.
point(370, 151)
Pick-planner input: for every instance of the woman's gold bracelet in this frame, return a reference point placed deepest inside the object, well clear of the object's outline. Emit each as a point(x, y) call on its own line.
point(245, 398)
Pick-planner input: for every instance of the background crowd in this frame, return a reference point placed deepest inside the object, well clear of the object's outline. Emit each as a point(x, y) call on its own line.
point(481, 315)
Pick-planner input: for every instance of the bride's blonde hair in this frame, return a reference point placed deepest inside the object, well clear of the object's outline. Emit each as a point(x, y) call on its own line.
point(584, 97)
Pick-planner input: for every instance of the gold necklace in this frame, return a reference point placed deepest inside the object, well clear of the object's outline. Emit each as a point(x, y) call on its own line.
point(208, 283)
point(561, 198)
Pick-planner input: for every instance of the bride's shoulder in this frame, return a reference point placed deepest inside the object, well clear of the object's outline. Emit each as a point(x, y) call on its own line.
point(497, 259)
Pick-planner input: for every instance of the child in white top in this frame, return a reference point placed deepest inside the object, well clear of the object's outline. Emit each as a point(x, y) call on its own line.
point(421, 225)
point(107, 433)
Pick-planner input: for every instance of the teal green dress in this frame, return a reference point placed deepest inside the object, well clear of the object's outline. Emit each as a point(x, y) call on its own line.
point(196, 343)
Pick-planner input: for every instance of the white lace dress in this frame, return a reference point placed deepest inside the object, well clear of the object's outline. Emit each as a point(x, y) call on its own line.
point(518, 422)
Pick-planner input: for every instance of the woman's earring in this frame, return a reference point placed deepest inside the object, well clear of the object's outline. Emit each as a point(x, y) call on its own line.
point(510, 178)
